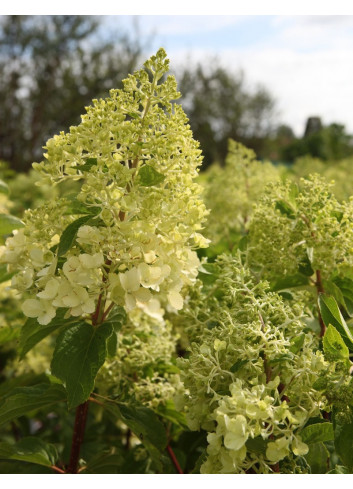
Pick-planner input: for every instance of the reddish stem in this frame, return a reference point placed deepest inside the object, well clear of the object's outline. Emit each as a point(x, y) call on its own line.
point(77, 437)
point(174, 459)
point(57, 469)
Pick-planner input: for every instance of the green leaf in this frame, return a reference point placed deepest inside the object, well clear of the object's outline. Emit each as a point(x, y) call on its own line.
point(238, 365)
point(334, 347)
point(305, 267)
point(112, 345)
point(148, 176)
point(344, 443)
point(25, 399)
point(345, 285)
point(105, 463)
point(9, 223)
point(80, 352)
point(21, 381)
point(88, 164)
point(318, 432)
point(199, 462)
point(297, 344)
point(167, 410)
point(69, 234)
point(290, 282)
point(257, 445)
point(117, 318)
point(33, 332)
point(4, 274)
point(142, 421)
point(317, 458)
point(77, 207)
point(285, 208)
point(30, 449)
point(4, 189)
point(331, 314)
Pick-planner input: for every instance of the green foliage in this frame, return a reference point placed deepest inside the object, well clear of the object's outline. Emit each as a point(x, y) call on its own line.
point(316, 433)
point(331, 315)
point(9, 223)
point(69, 234)
point(334, 346)
point(23, 400)
point(30, 449)
point(79, 353)
point(148, 176)
point(32, 332)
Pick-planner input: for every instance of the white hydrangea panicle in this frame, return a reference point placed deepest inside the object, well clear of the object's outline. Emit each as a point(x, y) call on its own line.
point(130, 234)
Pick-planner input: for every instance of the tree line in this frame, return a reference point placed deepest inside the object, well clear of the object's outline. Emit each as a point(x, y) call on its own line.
point(51, 67)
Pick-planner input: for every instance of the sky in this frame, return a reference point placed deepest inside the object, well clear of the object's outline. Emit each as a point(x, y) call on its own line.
point(305, 61)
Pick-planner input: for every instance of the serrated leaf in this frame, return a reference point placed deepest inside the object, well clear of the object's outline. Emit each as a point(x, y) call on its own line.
point(318, 432)
point(334, 346)
point(148, 176)
point(4, 189)
point(142, 421)
point(80, 352)
point(69, 234)
point(344, 443)
point(331, 314)
point(317, 458)
point(33, 332)
point(25, 399)
point(8, 223)
point(30, 449)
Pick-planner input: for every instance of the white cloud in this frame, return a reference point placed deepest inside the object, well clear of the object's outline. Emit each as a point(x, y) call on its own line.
point(186, 24)
point(303, 84)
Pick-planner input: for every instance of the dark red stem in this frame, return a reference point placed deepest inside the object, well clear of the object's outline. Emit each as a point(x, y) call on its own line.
point(174, 459)
point(77, 437)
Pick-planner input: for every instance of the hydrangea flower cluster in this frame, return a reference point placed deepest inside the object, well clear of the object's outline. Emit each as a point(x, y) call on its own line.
point(250, 374)
point(129, 236)
point(294, 227)
point(242, 181)
point(143, 365)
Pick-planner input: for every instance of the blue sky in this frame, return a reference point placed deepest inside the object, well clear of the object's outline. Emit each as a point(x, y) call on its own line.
point(305, 61)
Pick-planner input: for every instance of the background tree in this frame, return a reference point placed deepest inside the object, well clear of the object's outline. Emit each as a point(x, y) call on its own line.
point(329, 143)
point(220, 107)
point(51, 67)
